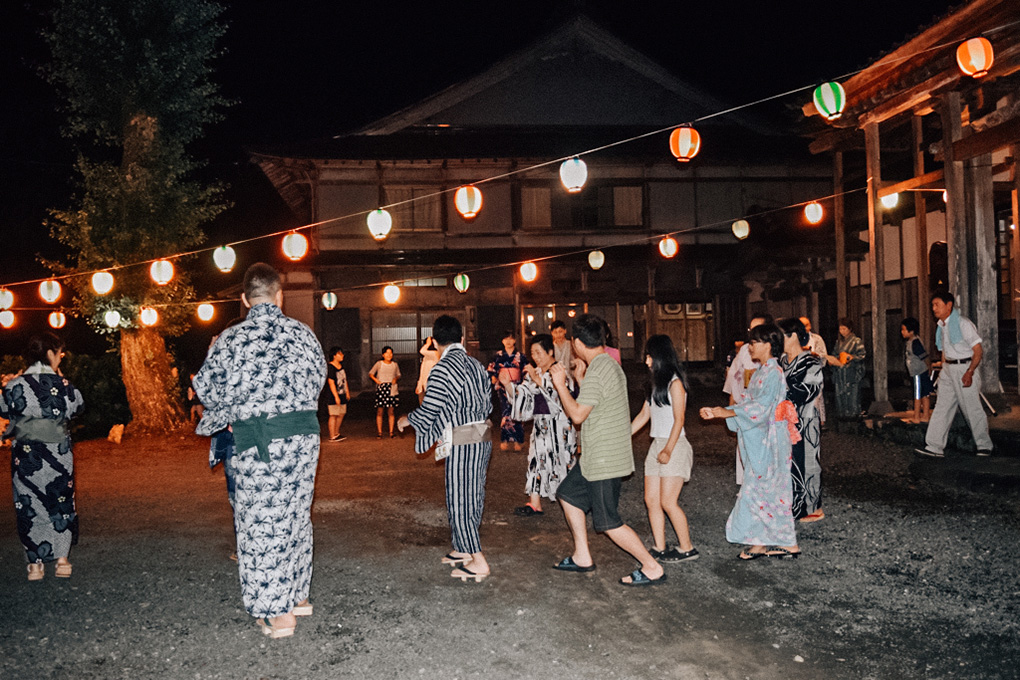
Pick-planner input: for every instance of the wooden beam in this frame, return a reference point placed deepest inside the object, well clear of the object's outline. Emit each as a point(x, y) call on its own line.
point(838, 210)
point(984, 290)
point(879, 351)
point(921, 232)
point(1014, 251)
point(925, 181)
point(956, 223)
point(992, 139)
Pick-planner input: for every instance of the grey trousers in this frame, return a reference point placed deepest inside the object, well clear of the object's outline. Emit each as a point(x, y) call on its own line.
point(952, 395)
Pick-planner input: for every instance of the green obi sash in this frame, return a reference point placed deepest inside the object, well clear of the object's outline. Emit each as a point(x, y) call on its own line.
point(258, 431)
point(44, 430)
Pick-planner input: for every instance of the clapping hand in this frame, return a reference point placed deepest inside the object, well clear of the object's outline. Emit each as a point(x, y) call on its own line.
point(559, 375)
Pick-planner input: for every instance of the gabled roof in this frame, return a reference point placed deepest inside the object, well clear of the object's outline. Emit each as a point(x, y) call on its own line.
point(580, 75)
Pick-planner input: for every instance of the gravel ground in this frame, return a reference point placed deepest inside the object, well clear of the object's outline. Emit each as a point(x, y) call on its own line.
point(904, 578)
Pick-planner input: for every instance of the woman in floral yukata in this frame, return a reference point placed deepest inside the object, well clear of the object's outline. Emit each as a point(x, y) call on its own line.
point(508, 363)
point(765, 423)
point(39, 403)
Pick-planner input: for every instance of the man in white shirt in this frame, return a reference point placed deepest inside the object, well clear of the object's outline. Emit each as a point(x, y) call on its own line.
point(739, 375)
point(817, 347)
point(959, 383)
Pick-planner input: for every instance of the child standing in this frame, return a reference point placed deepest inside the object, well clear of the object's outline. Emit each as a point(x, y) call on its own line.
point(385, 375)
point(915, 357)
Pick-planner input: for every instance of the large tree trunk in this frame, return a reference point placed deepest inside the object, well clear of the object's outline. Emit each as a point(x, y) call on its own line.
point(152, 390)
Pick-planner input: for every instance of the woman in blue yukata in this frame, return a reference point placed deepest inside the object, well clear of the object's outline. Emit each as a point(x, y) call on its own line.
point(508, 364)
point(765, 423)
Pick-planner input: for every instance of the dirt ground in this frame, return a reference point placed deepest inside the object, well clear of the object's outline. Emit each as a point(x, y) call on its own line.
point(904, 579)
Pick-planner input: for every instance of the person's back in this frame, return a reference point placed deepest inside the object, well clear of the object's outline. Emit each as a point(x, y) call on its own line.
point(605, 434)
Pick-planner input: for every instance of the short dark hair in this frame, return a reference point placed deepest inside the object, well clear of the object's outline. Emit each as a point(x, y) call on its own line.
point(447, 330)
point(39, 345)
point(911, 324)
point(333, 350)
point(765, 317)
point(795, 327)
point(590, 329)
point(845, 321)
point(261, 281)
point(944, 295)
point(557, 324)
point(508, 333)
point(385, 349)
point(543, 340)
point(769, 333)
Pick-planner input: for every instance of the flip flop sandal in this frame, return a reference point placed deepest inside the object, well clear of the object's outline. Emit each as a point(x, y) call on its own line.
point(272, 631)
point(745, 556)
point(568, 564)
point(782, 554)
point(638, 578)
point(463, 573)
point(456, 561)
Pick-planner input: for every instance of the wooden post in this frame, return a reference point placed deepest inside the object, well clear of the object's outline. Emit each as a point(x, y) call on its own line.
point(842, 278)
point(956, 220)
point(921, 228)
point(879, 349)
point(1014, 247)
point(984, 297)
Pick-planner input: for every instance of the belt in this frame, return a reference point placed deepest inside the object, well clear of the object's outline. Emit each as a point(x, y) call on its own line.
point(958, 361)
point(258, 431)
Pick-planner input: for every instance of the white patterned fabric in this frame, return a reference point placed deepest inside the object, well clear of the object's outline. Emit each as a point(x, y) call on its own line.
point(268, 365)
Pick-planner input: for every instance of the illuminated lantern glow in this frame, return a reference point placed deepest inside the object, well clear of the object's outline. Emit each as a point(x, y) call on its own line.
point(890, 201)
point(149, 316)
point(112, 318)
point(596, 259)
point(813, 212)
point(573, 174)
point(6, 318)
point(6, 299)
point(224, 257)
point(830, 100)
point(461, 282)
point(741, 229)
point(379, 224)
point(684, 143)
point(468, 200)
point(205, 311)
point(162, 272)
point(571, 313)
point(295, 246)
point(102, 282)
point(945, 196)
point(975, 57)
point(329, 300)
point(391, 294)
point(57, 319)
point(529, 271)
point(49, 291)
point(668, 247)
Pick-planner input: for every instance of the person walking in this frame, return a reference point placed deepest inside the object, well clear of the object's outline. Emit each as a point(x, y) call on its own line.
point(385, 374)
point(959, 383)
point(915, 357)
point(454, 417)
point(263, 378)
point(593, 485)
point(670, 457)
point(803, 372)
point(339, 392)
point(39, 403)
point(737, 378)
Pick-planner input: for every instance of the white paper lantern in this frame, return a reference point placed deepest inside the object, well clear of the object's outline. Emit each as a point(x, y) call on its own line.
point(205, 311)
point(813, 212)
point(224, 257)
point(329, 300)
point(162, 272)
point(6, 299)
point(668, 247)
point(573, 174)
point(741, 229)
point(529, 271)
point(57, 319)
point(6, 318)
point(890, 201)
point(379, 224)
point(468, 200)
point(50, 291)
point(102, 282)
point(596, 259)
point(149, 316)
point(112, 318)
point(295, 246)
point(461, 282)
point(391, 294)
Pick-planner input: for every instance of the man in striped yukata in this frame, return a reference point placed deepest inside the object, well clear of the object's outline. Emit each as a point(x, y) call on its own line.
point(454, 415)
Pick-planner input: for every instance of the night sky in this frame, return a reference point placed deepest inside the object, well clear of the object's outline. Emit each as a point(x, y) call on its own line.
point(306, 70)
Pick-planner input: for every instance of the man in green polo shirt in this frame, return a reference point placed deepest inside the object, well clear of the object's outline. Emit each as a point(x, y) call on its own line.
point(602, 411)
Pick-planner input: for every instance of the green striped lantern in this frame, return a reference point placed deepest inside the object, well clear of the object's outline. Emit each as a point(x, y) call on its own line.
point(830, 100)
point(461, 282)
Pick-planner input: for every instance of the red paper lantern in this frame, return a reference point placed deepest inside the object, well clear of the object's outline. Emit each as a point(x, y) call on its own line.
point(975, 57)
point(684, 143)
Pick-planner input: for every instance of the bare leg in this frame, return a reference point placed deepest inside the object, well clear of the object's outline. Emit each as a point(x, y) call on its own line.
point(925, 409)
point(629, 541)
point(478, 564)
point(393, 419)
point(656, 518)
point(535, 501)
point(378, 420)
point(334, 428)
point(579, 532)
point(339, 422)
point(670, 494)
point(917, 410)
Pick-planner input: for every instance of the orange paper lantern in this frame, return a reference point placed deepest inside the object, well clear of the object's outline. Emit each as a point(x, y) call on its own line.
point(684, 143)
point(975, 57)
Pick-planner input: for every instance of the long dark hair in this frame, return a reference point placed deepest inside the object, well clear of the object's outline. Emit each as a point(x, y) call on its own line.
point(665, 365)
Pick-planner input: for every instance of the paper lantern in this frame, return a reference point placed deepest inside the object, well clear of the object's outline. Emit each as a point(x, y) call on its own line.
point(391, 294)
point(6, 318)
point(529, 271)
point(162, 272)
point(6, 299)
point(890, 201)
point(668, 247)
point(461, 282)
point(945, 198)
point(224, 257)
point(205, 311)
point(596, 259)
point(49, 291)
point(379, 224)
point(573, 174)
point(741, 229)
point(329, 300)
point(149, 316)
point(57, 319)
point(468, 200)
point(295, 246)
point(830, 100)
point(684, 143)
point(102, 282)
point(112, 318)
point(975, 57)
point(813, 212)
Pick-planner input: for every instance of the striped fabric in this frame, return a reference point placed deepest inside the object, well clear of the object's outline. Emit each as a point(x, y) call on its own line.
point(459, 392)
point(606, 451)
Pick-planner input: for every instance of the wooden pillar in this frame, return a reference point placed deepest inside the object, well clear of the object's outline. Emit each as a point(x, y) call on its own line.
point(956, 222)
point(842, 276)
point(1014, 246)
point(984, 297)
point(879, 349)
point(924, 314)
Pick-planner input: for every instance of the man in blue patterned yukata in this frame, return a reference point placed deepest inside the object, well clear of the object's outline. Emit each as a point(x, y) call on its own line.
point(263, 377)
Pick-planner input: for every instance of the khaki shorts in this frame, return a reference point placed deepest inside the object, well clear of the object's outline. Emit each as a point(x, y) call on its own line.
point(679, 464)
point(337, 409)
